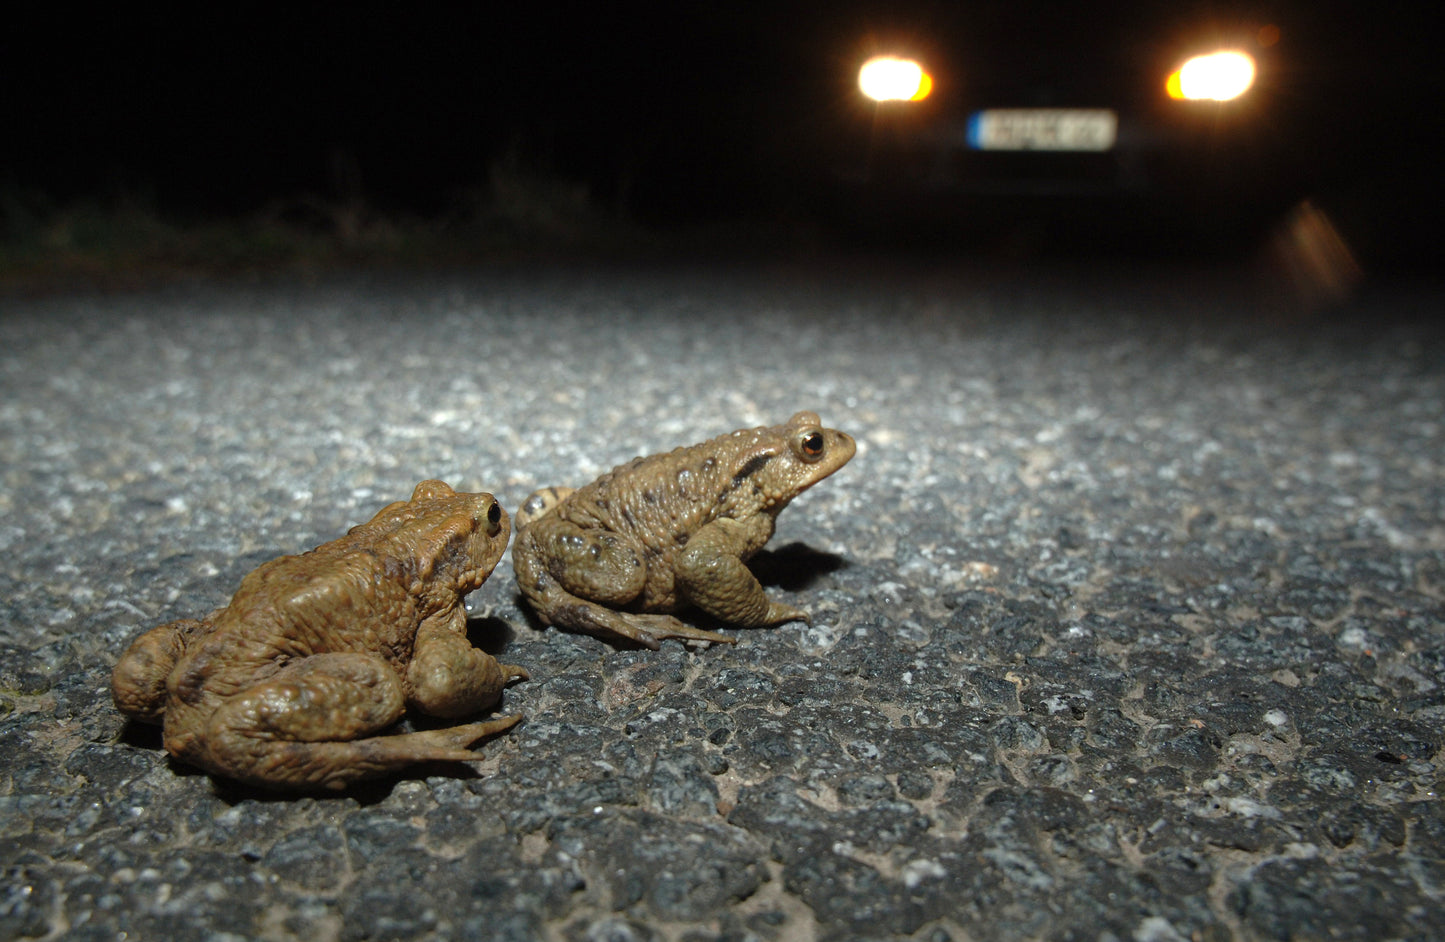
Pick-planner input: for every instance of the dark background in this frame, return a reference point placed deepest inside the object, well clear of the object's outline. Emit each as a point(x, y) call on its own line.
point(669, 114)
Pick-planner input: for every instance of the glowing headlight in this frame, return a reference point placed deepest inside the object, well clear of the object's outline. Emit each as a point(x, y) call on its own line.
point(889, 78)
point(1219, 76)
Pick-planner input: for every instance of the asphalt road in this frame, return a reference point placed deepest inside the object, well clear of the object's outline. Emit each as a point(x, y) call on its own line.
point(1129, 613)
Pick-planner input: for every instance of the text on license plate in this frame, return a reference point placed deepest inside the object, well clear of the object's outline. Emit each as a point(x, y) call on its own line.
point(1043, 129)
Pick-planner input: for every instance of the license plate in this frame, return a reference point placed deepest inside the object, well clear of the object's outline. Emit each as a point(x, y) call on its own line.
point(1090, 129)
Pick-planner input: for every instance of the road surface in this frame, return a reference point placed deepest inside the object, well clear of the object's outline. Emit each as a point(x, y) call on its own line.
point(1129, 615)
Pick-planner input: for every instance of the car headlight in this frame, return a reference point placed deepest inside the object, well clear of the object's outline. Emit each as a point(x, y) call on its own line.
point(1218, 76)
point(890, 78)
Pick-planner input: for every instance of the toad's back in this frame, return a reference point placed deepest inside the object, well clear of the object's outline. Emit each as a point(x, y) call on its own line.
point(663, 499)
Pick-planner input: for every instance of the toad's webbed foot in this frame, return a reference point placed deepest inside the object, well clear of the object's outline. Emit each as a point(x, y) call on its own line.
point(644, 629)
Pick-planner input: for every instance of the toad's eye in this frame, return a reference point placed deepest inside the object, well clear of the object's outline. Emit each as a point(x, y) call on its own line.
point(494, 516)
point(811, 445)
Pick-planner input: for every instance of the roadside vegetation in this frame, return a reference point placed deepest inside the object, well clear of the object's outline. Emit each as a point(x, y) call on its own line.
point(125, 239)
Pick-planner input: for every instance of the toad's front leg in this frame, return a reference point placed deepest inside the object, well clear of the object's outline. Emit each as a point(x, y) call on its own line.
point(448, 677)
point(710, 573)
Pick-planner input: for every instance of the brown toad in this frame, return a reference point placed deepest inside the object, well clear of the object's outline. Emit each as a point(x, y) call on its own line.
point(287, 685)
point(663, 532)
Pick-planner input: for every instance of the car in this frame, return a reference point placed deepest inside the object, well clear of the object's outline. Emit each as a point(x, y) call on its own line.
point(1025, 111)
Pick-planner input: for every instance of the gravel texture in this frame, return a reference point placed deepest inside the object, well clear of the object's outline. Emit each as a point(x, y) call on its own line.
point(1129, 615)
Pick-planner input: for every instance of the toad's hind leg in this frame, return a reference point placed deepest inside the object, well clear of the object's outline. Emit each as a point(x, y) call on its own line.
point(308, 726)
point(138, 683)
point(572, 577)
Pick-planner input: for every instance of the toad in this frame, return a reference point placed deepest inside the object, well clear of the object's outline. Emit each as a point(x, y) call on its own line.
point(288, 686)
point(655, 535)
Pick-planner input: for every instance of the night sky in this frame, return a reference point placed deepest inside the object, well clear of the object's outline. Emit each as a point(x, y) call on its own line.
point(675, 110)
point(220, 106)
